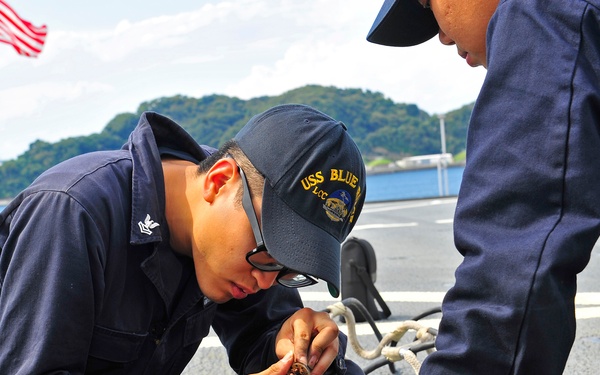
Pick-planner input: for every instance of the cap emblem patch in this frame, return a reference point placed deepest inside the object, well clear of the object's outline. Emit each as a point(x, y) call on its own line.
point(337, 205)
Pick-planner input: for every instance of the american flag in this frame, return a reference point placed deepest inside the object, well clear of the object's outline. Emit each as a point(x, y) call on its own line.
point(27, 39)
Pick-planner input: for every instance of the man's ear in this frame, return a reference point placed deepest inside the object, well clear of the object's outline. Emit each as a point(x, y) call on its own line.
point(219, 177)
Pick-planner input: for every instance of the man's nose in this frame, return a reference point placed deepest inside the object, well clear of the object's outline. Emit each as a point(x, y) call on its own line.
point(264, 279)
point(445, 39)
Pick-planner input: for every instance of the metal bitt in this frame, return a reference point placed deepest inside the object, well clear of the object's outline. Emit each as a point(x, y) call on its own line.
point(299, 369)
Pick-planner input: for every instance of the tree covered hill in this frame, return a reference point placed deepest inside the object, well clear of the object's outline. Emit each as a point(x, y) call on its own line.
point(380, 127)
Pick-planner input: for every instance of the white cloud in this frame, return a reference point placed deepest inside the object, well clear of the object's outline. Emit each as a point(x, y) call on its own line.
point(341, 57)
point(28, 99)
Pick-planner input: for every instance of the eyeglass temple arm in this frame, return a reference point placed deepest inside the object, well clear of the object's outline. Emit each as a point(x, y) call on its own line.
point(249, 207)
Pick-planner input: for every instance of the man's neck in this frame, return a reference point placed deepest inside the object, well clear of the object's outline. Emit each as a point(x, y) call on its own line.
point(179, 178)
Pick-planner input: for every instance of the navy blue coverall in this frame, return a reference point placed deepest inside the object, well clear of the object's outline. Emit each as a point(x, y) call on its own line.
point(89, 284)
point(528, 212)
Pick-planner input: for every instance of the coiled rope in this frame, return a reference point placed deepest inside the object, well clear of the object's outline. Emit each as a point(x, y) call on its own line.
point(424, 339)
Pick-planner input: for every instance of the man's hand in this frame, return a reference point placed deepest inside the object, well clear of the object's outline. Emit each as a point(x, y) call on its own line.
point(281, 367)
point(312, 337)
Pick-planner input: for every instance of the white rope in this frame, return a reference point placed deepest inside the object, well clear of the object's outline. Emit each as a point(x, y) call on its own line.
point(392, 354)
point(412, 360)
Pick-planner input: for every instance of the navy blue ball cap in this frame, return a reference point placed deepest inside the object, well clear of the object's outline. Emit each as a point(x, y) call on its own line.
point(314, 190)
point(403, 23)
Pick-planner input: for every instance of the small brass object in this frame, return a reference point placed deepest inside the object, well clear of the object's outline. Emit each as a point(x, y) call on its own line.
point(299, 369)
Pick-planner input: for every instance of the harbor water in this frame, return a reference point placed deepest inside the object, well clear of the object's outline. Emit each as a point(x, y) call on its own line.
point(414, 184)
point(410, 184)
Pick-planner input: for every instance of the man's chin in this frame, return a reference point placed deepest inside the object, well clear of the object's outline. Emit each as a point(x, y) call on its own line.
point(217, 297)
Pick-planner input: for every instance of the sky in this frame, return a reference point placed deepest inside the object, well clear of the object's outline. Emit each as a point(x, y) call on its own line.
point(106, 57)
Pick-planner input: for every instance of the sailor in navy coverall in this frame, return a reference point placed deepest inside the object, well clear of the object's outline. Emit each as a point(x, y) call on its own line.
point(528, 211)
point(89, 281)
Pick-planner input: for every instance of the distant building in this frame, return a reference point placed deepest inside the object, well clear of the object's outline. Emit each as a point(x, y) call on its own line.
point(421, 161)
point(414, 162)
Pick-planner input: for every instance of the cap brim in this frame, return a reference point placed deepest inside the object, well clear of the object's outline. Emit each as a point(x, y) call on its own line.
point(403, 23)
point(298, 244)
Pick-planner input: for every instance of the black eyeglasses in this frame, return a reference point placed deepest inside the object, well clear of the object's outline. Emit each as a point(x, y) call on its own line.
point(259, 257)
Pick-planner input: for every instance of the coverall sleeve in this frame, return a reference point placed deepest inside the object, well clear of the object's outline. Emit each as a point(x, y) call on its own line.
point(49, 285)
point(528, 212)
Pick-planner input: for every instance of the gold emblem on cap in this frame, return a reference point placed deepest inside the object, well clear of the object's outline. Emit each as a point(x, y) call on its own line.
point(336, 209)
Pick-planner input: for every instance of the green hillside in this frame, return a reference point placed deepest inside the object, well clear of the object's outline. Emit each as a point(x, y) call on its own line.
point(380, 127)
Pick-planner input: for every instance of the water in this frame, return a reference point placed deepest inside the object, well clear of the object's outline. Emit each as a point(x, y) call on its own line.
point(413, 184)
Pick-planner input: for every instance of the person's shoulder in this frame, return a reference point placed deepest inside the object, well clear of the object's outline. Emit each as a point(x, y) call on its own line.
point(93, 171)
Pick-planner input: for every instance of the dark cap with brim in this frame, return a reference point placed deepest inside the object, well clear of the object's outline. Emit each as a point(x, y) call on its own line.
point(314, 187)
point(403, 23)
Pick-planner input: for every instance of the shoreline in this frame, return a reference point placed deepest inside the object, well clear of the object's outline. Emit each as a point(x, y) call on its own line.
point(383, 169)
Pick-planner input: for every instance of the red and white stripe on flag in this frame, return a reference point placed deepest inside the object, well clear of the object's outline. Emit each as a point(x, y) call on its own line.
point(27, 39)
